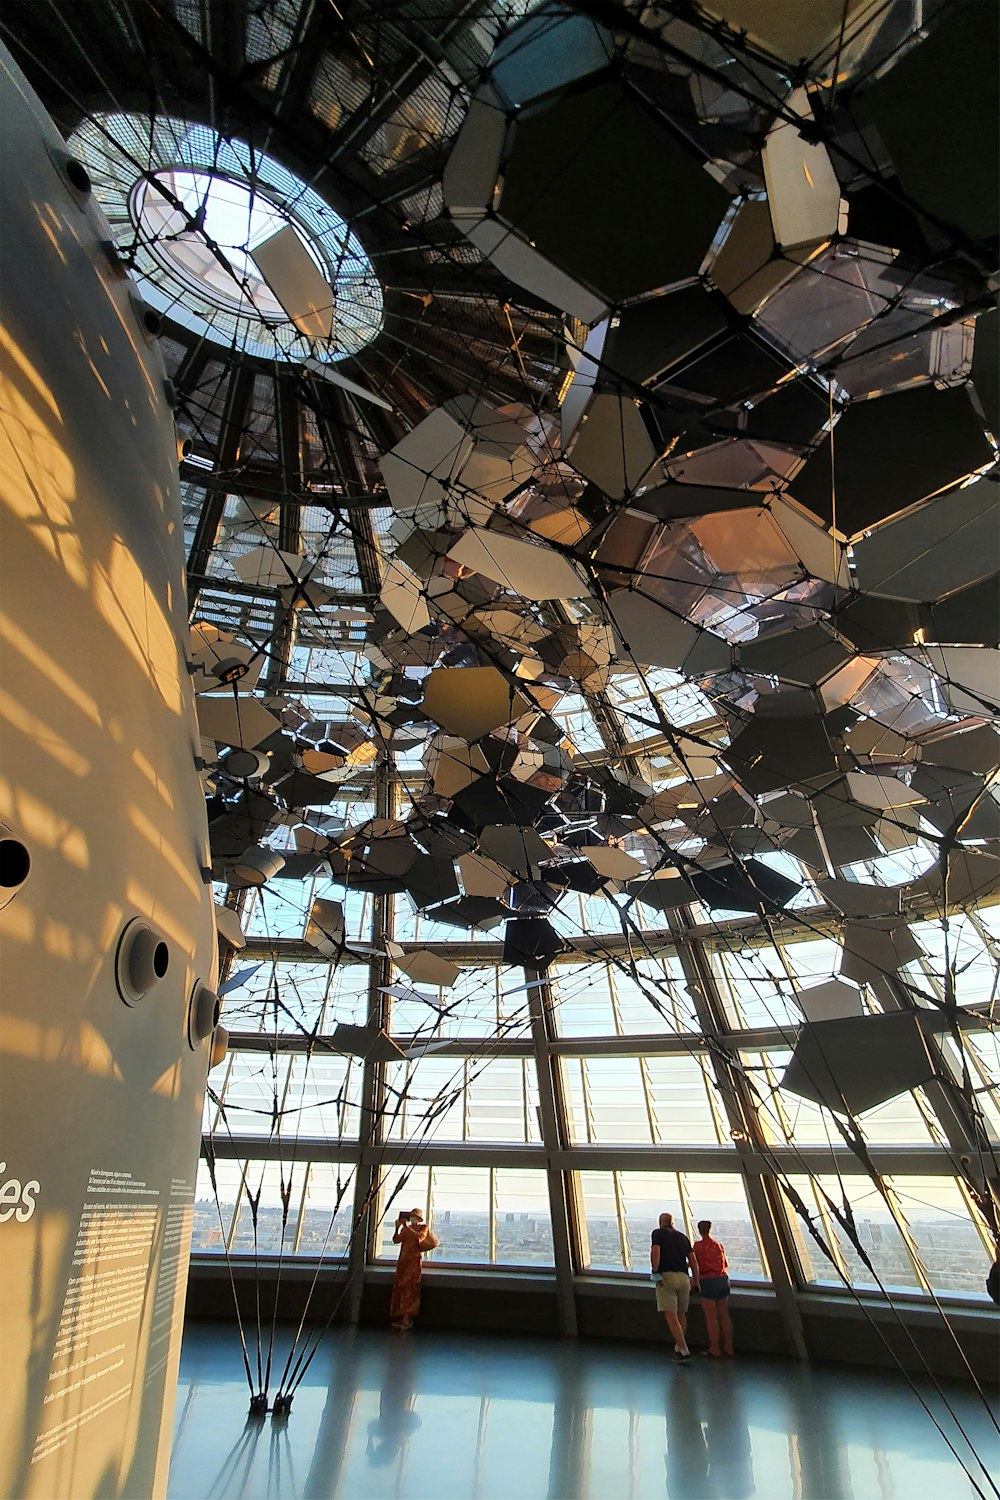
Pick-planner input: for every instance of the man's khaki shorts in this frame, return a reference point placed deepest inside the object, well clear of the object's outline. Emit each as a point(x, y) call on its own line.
point(673, 1292)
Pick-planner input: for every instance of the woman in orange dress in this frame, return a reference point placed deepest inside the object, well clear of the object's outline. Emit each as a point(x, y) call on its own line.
point(414, 1239)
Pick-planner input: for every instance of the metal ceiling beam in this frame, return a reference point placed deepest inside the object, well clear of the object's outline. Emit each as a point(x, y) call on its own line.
point(305, 136)
point(315, 24)
point(259, 591)
point(238, 484)
point(227, 34)
point(362, 126)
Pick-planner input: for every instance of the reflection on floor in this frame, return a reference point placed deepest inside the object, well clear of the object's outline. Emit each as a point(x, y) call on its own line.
point(461, 1417)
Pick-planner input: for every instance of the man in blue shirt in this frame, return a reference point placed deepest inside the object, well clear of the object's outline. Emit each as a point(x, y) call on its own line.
point(670, 1255)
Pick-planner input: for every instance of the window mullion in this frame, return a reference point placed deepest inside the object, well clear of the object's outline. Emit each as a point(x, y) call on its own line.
point(492, 1247)
point(588, 1113)
point(626, 1252)
point(240, 1190)
point(552, 1117)
point(654, 1129)
point(902, 1226)
point(306, 1176)
point(616, 1009)
point(744, 1129)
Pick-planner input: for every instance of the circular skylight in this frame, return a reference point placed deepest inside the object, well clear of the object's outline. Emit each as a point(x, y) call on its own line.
point(189, 209)
point(233, 219)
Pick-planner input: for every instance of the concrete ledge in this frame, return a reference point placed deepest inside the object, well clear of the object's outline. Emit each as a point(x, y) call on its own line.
point(839, 1328)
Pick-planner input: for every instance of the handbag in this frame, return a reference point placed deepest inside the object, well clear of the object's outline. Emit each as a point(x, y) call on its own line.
point(430, 1242)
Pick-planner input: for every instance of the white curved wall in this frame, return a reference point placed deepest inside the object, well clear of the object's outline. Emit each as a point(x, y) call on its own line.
point(101, 1101)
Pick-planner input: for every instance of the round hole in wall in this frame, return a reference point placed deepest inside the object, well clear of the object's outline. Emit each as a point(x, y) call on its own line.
point(204, 1010)
point(112, 258)
point(141, 962)
point(15, 862)
point(78, 175)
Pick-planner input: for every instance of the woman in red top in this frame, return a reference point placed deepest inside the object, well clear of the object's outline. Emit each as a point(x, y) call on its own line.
point(712, 1264)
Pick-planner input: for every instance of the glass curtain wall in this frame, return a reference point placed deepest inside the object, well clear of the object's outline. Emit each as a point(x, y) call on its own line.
point(640, 1069)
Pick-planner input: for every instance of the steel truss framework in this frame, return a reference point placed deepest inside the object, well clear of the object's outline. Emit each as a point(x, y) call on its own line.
point(647, 1061)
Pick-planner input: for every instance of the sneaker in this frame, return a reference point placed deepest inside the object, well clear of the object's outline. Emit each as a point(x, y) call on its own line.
point(682, 1359)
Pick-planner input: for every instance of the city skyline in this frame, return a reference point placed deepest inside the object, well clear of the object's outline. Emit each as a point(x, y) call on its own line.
point(951, 1251)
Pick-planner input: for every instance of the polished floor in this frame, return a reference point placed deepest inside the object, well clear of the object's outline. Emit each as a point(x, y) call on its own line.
point(442, 1416)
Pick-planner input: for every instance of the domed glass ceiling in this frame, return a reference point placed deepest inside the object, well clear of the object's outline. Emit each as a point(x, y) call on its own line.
point(187, 208)
point(233, 215)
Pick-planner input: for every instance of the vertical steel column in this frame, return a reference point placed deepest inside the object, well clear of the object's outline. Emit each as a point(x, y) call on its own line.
point(540, 1014)
point(364, 1220)
point(231, 431)
point(227, 35)
point(336, 433)
point(190, 369)
point(279, 663)
point(762, 1193)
